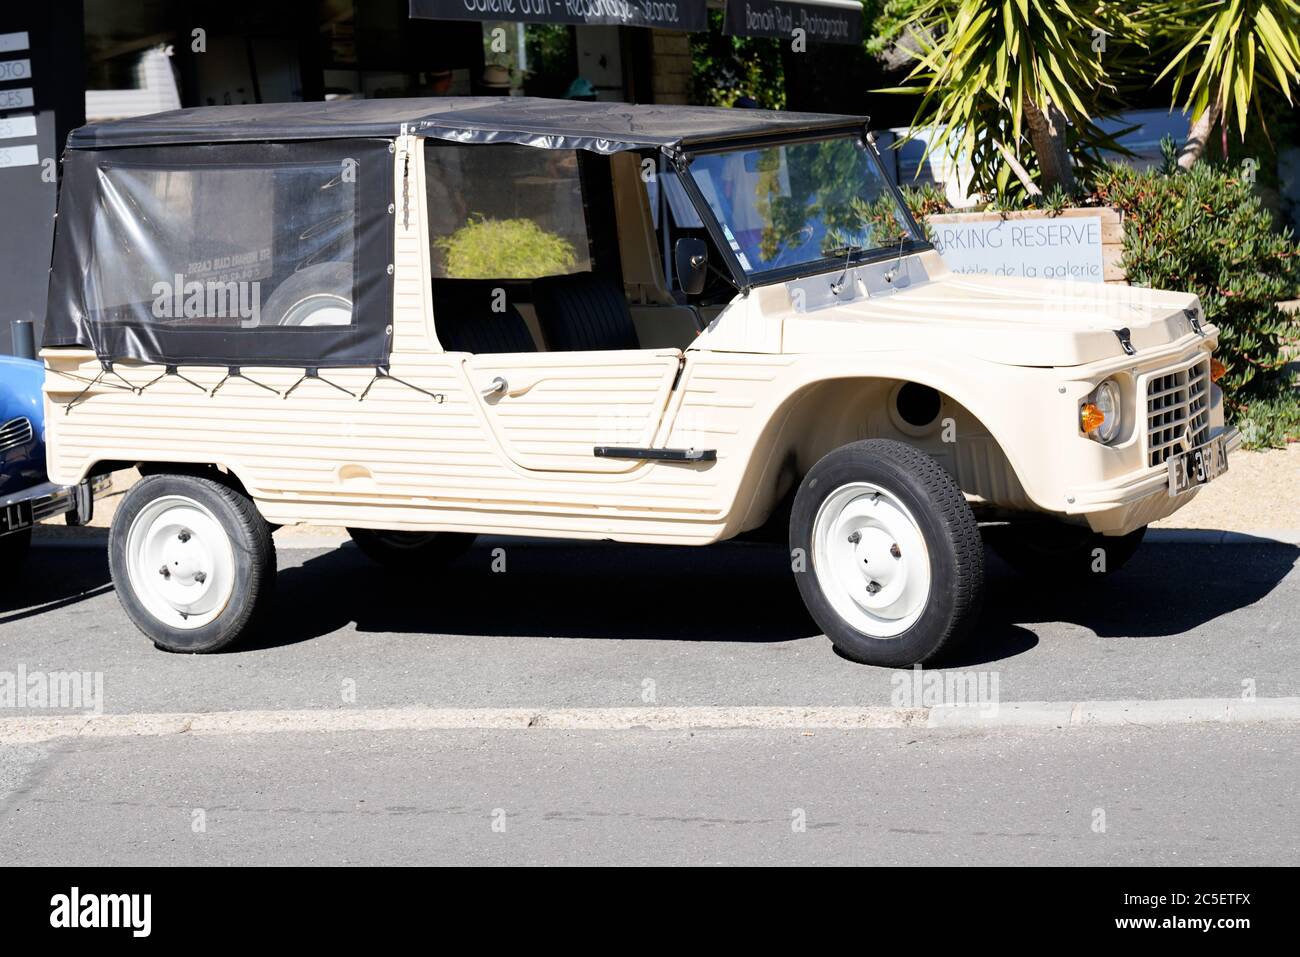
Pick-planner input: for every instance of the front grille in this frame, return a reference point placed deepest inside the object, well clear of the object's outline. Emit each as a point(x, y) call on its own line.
point(15, 432)
point(1178, 411)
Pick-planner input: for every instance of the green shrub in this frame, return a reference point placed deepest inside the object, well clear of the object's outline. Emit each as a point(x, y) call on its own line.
point(1206, 232)
point(1271, 420)
point(505, 249)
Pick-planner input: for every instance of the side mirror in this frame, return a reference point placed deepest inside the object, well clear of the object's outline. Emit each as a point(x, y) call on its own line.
point(691, 257)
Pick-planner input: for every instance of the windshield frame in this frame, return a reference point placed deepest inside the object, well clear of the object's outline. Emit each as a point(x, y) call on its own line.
point(745, 281)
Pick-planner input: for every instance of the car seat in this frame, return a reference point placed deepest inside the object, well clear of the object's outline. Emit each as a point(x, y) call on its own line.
point(585, 312)
point(466, 321)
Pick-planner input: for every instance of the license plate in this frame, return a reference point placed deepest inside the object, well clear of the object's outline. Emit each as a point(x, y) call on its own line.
point(1197, 467)
point(15, 517)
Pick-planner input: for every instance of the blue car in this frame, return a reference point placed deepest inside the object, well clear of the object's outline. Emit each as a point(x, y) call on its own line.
point(26, 494)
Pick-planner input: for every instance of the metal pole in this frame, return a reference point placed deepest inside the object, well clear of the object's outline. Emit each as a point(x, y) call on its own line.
point(24, 339)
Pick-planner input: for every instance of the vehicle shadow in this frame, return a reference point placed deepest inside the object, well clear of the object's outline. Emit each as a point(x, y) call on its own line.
point(1166, 589)
point(731, 592)
point(739, 592)
point(52, 578)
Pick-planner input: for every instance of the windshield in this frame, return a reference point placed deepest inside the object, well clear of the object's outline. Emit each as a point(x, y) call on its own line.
point(805, 204)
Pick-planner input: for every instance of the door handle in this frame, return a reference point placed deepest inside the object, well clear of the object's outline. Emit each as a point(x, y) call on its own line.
point(500, 386)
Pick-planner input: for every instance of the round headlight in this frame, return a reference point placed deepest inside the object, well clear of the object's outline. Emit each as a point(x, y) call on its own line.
point(1106, 398)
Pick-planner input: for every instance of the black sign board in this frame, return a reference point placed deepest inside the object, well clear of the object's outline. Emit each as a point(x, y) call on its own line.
point(835, 22)
point(664, 14)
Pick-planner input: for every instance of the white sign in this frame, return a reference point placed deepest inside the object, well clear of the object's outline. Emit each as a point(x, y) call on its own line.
point(12, 127)
point(12, 42)
point(15, 70)
point(1046, 247)
point(16, 99)
point(19, 156)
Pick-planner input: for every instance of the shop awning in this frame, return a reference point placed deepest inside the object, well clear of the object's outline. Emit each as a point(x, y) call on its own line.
point(823, 21)
point(663, 14)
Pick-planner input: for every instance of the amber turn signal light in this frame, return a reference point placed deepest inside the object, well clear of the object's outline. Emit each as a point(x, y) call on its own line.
point(1217, 369)
point(1090, 417)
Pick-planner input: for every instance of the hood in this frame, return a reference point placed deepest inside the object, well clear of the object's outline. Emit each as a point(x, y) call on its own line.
point(1034, 322)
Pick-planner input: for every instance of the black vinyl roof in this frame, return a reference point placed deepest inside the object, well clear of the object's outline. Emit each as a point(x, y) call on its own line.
point(553, 124)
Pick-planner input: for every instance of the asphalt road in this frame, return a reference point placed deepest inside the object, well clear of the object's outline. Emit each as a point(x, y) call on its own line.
point(1204, 795)
point(614, 626)
point(589, 626)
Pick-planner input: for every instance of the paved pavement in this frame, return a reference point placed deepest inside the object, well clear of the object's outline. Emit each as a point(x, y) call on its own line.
point(613, 626)
point(1213, 795)
point(616, 627)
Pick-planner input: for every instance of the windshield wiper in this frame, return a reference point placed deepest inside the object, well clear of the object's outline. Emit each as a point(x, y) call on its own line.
point(892, 272)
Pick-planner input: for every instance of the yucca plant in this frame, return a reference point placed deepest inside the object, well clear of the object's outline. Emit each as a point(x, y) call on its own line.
point(1222, 48)
point(1014, 84)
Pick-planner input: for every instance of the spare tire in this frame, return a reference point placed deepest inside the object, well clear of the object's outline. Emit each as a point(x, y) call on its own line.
point(319, 295)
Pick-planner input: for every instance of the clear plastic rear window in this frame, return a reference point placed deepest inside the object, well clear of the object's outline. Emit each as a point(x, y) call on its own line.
point(505, 212)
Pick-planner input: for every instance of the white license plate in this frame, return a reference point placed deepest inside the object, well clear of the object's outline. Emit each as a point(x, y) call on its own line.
point(15, 517)
point(1197, 467)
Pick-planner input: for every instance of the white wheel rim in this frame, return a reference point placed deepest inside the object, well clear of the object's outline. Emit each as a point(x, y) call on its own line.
point(180, 562)
point(871, 560)
point(318, 310)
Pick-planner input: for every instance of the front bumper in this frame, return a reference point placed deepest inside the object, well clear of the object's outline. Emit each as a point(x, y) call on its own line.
point(50, 500)
point(1126, 504)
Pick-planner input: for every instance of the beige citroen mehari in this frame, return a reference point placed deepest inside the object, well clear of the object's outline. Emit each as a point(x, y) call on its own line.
point(427, 320)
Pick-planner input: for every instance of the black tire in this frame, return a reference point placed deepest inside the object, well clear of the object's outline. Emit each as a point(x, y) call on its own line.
point(1056, 550)
point(13, 552)
point(943, 520)
point(253, 569)
point(322, 285)
point(410, 552)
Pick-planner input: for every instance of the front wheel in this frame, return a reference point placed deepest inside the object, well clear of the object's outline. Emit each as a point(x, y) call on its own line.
point(887, 553)
point(192, 561)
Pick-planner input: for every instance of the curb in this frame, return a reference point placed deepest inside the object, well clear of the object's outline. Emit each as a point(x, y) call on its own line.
point(1040, 715)
point(98, 538)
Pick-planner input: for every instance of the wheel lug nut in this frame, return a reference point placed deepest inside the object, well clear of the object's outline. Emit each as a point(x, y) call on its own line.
point(184, 536)
point(200, 577)
point(165, 572)
point(895, 550)
point(873, 587)
point(855, 537)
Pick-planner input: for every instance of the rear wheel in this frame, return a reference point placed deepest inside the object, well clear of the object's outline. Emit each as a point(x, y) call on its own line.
point(192, 561)
point(411, 551)
point(887, 553)
point(1058, 550)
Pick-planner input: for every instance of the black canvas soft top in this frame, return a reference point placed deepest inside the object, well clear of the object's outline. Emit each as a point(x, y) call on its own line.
point(531, 121)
